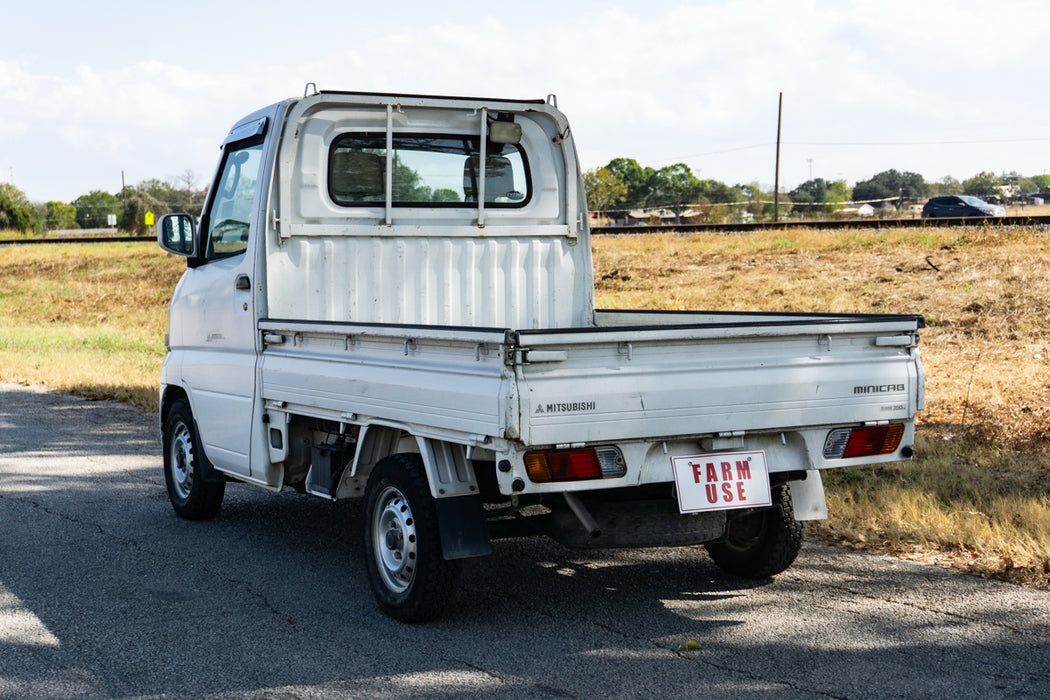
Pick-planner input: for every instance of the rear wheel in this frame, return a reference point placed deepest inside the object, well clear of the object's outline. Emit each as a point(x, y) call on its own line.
point(191, 496)
point(410, 578)
point(761, 544)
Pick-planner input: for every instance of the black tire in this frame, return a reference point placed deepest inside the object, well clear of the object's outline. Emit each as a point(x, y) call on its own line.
point(191, 496)
point(410, 578)
point(761, 544)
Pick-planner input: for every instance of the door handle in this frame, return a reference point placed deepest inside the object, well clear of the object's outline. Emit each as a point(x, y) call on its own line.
point(242, 282)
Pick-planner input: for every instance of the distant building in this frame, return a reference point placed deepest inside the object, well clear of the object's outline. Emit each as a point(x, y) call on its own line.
point(859, 210)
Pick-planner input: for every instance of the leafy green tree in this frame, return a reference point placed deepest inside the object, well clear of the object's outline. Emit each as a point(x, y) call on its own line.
point(174, 198)
point(675, 187)
point(714, 196)
point(161, 197)
point(639, 181)
point(753, 193)
point(604, 189)
point(1041, 181)
point(408, 184)
point(946, 185)
point(719, 192)
point(983, 184)
point(784, 204)
point(820, 195)
point(94, 208)
point(16, 211)
point(138, 201)
point(59, 215)
point(839, 192)
point(445, 195)
point(891, 184)
point(158, 189)
point(810, 196)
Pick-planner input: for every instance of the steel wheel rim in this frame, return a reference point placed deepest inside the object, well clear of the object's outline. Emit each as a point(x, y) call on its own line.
point(182, 461)
point(394, 540)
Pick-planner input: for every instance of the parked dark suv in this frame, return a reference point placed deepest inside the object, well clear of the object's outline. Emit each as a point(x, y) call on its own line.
point(957, 205)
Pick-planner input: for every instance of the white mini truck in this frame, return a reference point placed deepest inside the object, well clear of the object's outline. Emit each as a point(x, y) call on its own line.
point(390, 297)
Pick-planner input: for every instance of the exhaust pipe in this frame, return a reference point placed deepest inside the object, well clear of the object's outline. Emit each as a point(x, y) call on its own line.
point(583, 515)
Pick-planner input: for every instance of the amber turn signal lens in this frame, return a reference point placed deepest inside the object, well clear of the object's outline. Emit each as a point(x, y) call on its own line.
point(563, 465)
point(846, 443)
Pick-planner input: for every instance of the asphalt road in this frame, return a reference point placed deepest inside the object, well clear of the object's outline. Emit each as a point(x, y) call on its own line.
point(105, 593)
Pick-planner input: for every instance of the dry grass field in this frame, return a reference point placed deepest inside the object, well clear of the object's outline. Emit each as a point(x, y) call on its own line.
point(90, 319)
point(977, 497)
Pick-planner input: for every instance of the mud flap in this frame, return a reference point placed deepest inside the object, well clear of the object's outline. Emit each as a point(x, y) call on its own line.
point(807, 496)
point(464, 532)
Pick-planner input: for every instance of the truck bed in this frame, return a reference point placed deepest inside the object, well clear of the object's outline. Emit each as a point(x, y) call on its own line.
point(632, 376)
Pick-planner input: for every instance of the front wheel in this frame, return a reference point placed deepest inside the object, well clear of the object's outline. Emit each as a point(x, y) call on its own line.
point(191, 496)
point(761, 544)
point(410, 578)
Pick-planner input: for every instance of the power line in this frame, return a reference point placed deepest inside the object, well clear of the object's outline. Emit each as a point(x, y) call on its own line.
point(915, 143)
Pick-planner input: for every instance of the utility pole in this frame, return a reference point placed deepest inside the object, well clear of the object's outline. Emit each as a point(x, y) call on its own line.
point(776, 177)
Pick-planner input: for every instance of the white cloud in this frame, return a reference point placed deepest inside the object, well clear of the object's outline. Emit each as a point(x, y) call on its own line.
point(659, 83)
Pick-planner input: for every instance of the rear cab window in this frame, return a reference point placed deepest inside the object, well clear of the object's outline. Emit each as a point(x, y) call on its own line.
point(427, 170)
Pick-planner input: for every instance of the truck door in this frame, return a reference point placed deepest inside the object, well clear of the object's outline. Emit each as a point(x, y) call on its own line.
point(218, 311)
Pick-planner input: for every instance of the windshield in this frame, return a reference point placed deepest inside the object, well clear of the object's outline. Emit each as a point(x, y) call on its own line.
point(427, 170)
point(974, 201)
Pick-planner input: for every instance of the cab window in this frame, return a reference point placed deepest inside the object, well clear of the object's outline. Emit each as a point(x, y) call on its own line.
point(428, 170)
point(229, 215)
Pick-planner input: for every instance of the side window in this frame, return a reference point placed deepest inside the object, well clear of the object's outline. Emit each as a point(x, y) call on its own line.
point(230, 212)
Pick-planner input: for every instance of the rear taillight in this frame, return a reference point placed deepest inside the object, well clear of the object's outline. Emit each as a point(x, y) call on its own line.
point(577, 464)
point(869, 441)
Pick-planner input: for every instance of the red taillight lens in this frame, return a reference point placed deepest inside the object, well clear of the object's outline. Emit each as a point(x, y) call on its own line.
point(877, 440)
point(563, 465)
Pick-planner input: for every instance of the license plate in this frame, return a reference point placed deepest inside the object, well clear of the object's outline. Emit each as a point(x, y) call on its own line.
point(721, 481)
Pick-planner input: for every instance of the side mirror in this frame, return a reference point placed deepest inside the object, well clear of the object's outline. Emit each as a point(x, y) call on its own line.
point(176, 233)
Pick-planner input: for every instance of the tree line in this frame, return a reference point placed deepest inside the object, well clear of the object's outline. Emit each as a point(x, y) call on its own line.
point(623, 184)
point(93, 209)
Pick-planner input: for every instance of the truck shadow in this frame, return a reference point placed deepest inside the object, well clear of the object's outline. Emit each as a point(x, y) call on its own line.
point(272, 600)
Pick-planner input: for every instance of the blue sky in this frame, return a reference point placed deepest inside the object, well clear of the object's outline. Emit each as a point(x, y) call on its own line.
point(935, 87)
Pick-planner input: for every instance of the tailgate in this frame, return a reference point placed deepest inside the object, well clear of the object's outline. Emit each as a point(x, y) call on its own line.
point(757, 372)
point(439, 381)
